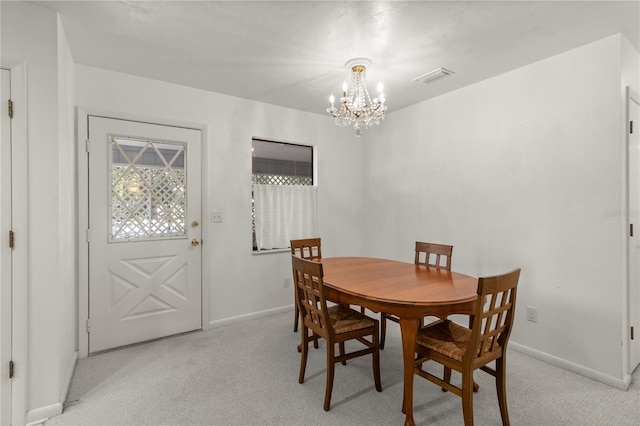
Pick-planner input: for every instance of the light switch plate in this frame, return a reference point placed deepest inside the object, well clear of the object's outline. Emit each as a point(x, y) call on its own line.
point(216, 217)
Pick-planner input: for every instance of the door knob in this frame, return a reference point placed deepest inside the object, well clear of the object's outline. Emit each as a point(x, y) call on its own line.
point(195, 242)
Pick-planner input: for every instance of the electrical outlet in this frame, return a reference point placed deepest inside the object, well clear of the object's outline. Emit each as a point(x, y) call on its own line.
point(532, 314)
point(216, 217)
point(286, 282)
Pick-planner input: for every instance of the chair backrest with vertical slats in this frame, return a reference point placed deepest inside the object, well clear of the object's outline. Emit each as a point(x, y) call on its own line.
point(307, 276)
point(434, 255)
point(307, 248)
point(493, 317)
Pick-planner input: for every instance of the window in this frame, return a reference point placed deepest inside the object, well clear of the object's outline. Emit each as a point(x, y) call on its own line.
point(148, 184)
point(284, 198)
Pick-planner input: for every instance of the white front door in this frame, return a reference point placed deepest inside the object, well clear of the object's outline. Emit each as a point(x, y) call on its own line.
point(144, 232)
point(5, 252)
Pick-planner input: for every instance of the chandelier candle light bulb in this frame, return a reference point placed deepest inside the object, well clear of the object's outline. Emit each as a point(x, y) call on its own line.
point(356, 106)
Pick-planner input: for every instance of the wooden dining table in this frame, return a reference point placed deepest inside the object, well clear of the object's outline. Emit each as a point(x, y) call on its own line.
point(405, 290)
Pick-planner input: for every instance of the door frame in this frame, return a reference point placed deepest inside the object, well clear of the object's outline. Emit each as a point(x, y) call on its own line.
point(19, 254)
point(6, 318)
point(82, 120)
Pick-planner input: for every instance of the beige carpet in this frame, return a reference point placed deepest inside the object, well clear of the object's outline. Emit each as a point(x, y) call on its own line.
point(246, 374)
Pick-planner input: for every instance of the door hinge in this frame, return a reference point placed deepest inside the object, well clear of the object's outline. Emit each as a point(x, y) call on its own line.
point(631, 127)
point(10, 108)
point(11, 239)
point(631, 229)
point(88, 235)
point(88, 325)
point(11, 369)
point(631, 333)
point(87, 145)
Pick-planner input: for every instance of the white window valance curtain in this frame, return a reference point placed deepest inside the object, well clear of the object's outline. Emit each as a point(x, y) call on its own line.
point(284, 213)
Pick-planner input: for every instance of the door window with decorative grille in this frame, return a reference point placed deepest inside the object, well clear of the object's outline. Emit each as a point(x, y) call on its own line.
point(284, 197)
point(148, 184)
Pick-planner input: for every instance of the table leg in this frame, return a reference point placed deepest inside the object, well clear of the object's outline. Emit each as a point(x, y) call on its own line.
point(409, 328)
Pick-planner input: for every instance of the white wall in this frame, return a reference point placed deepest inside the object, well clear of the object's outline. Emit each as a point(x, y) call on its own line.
point(520, 170)
point(242, 283)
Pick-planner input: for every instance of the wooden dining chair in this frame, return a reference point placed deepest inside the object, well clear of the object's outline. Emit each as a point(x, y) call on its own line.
point(335, 324)
point(467, 349)
point(427, 254)
point(434, 255)
point(307, 248)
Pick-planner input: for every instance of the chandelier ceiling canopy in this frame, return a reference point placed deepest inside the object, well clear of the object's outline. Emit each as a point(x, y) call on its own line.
point(356, 106)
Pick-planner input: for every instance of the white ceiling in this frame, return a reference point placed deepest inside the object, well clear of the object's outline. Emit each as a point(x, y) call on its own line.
point(292, 53)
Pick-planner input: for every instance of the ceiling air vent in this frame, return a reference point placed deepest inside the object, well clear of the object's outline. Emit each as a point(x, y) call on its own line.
point(432, 75)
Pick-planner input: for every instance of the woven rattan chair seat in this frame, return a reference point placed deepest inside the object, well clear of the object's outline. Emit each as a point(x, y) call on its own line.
point(345, 319)
point(445, 337)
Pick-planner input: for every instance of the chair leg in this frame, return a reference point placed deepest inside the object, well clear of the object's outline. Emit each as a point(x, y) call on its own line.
point(313, 337)
point(296, 319)
point(341, 348)
point(304, 344)
point(383, 329)
point(376, 360)
point(446, 377)
point(501, 387)
point(467, 399)
point(331, 363)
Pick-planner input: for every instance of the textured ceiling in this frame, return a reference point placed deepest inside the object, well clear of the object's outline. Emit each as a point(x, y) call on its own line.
point(292, 53)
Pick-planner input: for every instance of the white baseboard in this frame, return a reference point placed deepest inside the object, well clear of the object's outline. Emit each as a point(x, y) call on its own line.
point(253, 315)
point(615, 382)
point(40, 415)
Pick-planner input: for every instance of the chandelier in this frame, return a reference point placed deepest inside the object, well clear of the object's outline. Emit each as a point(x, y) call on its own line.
point(357, 108)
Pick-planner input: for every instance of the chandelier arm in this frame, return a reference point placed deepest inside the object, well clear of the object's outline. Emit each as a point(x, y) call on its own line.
point(368, 107)
point(352, 111)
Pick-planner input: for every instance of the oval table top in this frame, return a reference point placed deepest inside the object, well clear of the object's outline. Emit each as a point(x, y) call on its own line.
point(398, 283)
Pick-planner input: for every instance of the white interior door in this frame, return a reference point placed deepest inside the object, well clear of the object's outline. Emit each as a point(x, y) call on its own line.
point(634, 218)
point(5, 252)
point(144, 232)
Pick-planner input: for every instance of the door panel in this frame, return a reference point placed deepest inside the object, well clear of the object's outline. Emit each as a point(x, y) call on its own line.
point(144, 220)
